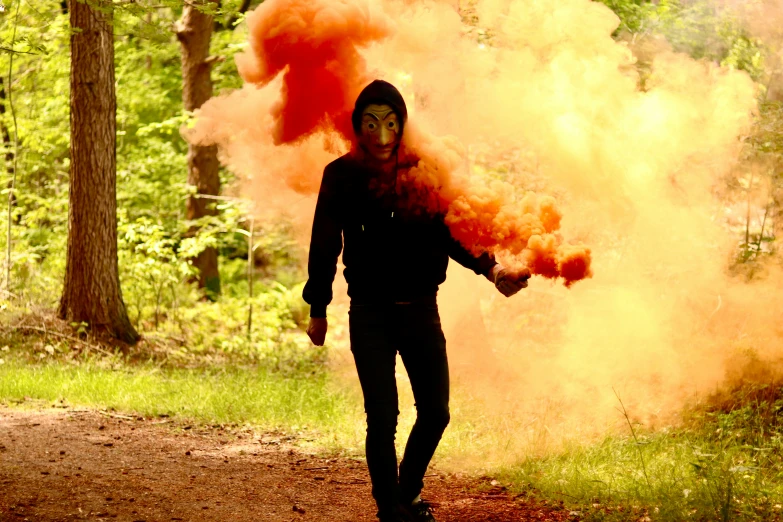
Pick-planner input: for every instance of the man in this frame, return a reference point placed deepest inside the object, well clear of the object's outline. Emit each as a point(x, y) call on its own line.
point(395, 256)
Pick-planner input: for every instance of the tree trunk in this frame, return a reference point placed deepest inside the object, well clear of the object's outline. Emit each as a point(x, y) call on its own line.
point(194, 31)
point(92, 292)
point(9, 151)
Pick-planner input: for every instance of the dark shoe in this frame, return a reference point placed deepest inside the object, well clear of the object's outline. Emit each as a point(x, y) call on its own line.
point(418, 512)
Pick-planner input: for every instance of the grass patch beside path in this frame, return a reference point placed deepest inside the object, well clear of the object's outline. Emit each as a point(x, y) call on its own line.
point(725, 464)
point(310, 405)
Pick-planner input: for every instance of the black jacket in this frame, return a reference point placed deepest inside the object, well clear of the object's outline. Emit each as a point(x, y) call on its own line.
point(392, 251)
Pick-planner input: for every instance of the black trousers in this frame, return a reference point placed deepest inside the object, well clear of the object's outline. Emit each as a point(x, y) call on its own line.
point(378, 332)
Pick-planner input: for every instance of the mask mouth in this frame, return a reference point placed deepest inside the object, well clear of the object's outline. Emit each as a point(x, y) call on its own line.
point(382, 151)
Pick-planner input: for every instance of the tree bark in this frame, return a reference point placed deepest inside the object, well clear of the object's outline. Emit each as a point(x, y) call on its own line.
point(9, 152)
point(92, 291)
point(194, 32)
point(10, 168)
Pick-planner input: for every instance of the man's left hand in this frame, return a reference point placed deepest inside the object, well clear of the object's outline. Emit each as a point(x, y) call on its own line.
point(507, 281)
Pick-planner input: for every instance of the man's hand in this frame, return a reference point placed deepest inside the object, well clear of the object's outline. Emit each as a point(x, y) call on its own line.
point(316, 330)
point(508, 282)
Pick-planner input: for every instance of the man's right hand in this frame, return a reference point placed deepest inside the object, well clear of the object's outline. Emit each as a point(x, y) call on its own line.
point(316, 330)
point(508, 282)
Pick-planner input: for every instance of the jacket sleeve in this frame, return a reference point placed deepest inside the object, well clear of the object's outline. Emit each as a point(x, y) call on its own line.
point(481, 264)
point(326, 243)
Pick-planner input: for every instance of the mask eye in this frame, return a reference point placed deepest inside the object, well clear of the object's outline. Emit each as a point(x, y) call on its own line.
point(392, 125)
point(371, 126)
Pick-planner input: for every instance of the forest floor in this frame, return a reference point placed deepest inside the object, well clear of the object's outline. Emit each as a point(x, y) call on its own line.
point(75, 464)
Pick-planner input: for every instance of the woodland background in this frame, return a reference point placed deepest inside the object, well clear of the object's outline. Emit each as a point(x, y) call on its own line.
point(205, 284)
point(175, 249)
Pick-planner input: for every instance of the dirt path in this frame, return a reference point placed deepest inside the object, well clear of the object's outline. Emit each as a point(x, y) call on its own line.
point(63, 465)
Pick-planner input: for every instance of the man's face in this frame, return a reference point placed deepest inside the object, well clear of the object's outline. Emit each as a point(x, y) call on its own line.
point(380, 131)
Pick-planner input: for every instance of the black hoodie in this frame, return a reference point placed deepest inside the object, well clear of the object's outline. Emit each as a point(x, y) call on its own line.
point(392, 252)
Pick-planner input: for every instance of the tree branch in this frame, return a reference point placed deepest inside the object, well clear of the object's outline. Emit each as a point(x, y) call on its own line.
point(12, 51)
point(213, 59)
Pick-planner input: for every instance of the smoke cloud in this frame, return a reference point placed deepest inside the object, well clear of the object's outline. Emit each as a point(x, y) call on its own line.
point(315, 48)
point(531, 129)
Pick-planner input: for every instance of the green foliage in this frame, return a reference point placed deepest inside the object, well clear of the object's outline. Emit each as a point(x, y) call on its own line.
point(762, 188)
point(153, 239)
point(698, 28)
point(274, 341)
point(152, 269)
point(636, 16)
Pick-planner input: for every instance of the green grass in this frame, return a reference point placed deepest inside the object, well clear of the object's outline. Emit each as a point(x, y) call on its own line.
point(312, 405)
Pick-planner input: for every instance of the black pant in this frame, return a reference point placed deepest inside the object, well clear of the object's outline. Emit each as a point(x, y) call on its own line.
point(378, 332)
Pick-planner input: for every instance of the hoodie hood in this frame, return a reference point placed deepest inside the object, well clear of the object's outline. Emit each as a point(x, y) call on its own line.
point(381, 93)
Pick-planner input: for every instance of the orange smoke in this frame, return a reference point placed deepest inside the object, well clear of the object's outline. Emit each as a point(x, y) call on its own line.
point(509, 101)
point(315, 45)
point(490, 218)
